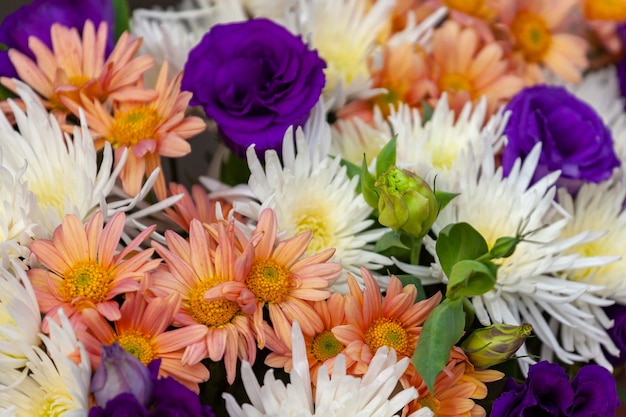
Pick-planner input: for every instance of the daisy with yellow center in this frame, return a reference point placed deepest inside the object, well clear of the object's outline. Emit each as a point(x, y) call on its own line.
point(467, 68)
point(76, 65)
point(142, 331)
point(195, 266)
point(373, 322)
point(83, 272)
point(149, 129)
point(455, 388)
point(279, 277)
point(538, 39)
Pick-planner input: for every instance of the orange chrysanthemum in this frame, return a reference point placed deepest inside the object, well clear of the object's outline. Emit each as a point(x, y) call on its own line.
point(539, 38)
point(142, 331)
point(455, 388)
point(278, 277)
point(149, 129)
point(83, 271)
point(194, 267)
point(77, 66)
point(394, 321)
point(466, 68)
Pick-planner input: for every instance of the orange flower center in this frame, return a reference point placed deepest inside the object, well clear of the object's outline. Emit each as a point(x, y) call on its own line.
point(387, 332)
point(137, 345)
point(86, 279)
point(325, 346)
point(79, 80)
point(132, 126)
point(476, 8)
point(532, 36)
point(455, 83)
point(210, 313)
point(612, 10)
point(268, 281)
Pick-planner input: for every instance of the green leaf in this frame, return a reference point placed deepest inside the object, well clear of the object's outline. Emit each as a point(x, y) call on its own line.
point(3, 47)
point(504, 247)
point(443, 328)
point(443, 198)
point(122, 16)
point(386, 157)
point(457, 242)
point(389, 240)
point(234, 170)
point(470, 278)
point(427, 112)
point(407, 279)
point(5, 93)
point(351, 169)
point(370, 194)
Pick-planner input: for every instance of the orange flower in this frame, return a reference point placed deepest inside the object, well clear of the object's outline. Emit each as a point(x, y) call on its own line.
point(536, 27)
point(84, 273)
point(150, 129)
point(196, 205)
point(277, 276)
point(76, 65)
point(373, 322)
point(194, 267)
point(455, 388)
point(321, 347)
point(467, 68)
point(141, 330)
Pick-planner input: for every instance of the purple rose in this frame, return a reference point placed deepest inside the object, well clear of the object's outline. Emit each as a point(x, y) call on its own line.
point(545, 392)
point(37, 18)
point(595, 393)
point(617, 312)
point(255, 79)
point(574, 139)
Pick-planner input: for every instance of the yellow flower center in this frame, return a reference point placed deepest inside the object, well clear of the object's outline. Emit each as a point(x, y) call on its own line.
point(314, 220)
point(87, 279)
point(455, 83)
point(268, 281)
point(387, 332)
point(532, 36)
point(325, 346)
point(79, 80)
point(210, 313)
point(476, 8)
point(54, 404)
point(50, 195)
point(137, 345)
point(612, 10)
point(133, 126)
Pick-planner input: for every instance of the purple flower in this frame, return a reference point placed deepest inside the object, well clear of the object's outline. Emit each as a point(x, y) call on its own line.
point(621, 64)
point(255, 79)
point(37, 18)
point(169, 398)
point(595, 393)
point(574, 139)
point(545, 392)
point(617, 312)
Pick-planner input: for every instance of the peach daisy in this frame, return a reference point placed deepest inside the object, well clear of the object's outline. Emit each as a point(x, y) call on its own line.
point(278, 277)
point(539, 39)
point(194, 267)
point(150, 129)
point(373, 322)
point(77, 65)
point(142, 331)
point(321, 348)
point(467, 68)
point(83, 271)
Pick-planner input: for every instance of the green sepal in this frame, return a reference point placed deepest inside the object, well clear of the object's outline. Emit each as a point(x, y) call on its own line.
point(386, 157)
point(469, 278)
point(442, 329)
point(457, 242)
point(370, 194)
point(443, 198)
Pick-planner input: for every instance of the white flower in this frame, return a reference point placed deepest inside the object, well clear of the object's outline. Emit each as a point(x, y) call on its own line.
point(55, 385)
point(337, 395)
point(312, 192)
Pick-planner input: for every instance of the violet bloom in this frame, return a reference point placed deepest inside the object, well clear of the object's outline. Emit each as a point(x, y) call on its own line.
point(617, 312)
point(37, 18)
point(255, 79)
point(595, 393)
point(573, 137)
point(621, 65)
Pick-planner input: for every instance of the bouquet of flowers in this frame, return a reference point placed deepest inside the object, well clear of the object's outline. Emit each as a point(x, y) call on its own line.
point(404, 208)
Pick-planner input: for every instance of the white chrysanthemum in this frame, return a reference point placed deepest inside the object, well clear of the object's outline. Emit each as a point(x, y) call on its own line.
point(313, 192)
point(344, 34)
point(63, 173)
point(55, 385)
point(337, 395)
point(20, 318)
point(529, 283)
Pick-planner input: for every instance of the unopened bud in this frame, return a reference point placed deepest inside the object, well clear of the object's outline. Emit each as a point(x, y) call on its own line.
point(406, 202)
point(120, 372)
point(495, 344)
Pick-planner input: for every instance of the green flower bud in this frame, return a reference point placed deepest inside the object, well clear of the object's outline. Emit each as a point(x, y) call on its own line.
point(405, 202)
point(495, 344)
